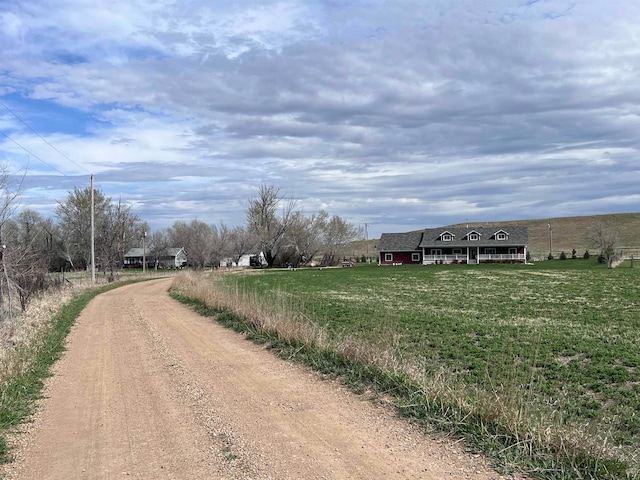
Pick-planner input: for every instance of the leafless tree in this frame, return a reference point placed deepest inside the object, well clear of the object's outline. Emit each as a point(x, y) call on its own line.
point(8, 204)
point(306, 236)
point(604, 237)
point(266, 223)
point(74, 221)
point(240, 243)
point(196, 238)
point(27, 255)
point(159, 244)
point(117, 234)
point(219, 243)
point(117, 229)
point(338, 233)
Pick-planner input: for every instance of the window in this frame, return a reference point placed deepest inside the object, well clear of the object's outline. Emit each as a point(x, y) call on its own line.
point(513, 251)
point(415, 257)
point(447, 237)
point(501, 236)
point(490, 251)
point(474, 236)
point(457, 251)
point(436, 251)
point(388, 257)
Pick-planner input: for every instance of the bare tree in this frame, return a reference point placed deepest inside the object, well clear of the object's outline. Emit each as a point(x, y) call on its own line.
point(222, 243)
point(240, 243)
point(306, 236)
point(159, 245)
point(74, 220)
point(8, 205)
point(197, 239)
point(338, 233)
point(604, 237)
point(117, 234)
point(117, 229)
point(264, 222)
point(26, 255)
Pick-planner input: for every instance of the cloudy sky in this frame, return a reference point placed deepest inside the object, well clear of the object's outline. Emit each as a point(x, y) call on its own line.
point(399, 114)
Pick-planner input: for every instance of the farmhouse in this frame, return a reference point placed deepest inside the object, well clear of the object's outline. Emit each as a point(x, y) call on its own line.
point(455, 245)
point(169, 258)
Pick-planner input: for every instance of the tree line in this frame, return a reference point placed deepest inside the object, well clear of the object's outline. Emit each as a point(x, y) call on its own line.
point(32, 245)
point(274, 227)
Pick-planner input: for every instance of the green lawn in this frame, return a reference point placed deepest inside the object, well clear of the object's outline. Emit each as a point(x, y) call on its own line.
point(561, 336)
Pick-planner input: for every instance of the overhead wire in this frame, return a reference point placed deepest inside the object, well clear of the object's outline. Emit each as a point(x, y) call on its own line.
point(33, 154)
point(41, 138)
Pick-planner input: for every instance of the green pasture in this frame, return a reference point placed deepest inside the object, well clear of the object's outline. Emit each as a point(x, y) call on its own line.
point(564, 336)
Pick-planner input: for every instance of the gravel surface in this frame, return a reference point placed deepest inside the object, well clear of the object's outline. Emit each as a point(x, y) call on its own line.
point(149, 389)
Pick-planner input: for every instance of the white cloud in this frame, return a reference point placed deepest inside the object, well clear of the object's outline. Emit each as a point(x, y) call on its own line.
point(435, 111)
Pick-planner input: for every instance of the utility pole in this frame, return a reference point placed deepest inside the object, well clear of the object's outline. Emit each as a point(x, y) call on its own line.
point(366, 239)
point(144, 253)
point(550, 241)
point(93, 237)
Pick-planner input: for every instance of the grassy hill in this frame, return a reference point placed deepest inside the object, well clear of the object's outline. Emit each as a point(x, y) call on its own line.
point(570, 232)
point(567, 233)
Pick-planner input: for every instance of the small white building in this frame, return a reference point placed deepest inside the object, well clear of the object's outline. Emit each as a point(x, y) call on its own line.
point(248, 260)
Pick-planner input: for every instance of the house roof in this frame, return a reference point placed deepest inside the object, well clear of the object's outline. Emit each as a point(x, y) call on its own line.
point(134, 252)
point(516, 236)
point(400, 242)
point(138, 252)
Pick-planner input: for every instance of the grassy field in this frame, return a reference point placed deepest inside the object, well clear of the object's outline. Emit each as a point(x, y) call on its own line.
point(542, 359)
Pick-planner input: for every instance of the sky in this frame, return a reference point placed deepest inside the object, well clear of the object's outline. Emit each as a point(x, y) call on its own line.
point(400, 114)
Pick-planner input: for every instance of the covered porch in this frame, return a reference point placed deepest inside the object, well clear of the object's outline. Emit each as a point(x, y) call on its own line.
point(474, 255)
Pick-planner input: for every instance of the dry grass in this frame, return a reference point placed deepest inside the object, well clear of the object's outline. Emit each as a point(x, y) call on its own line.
point(274, 316)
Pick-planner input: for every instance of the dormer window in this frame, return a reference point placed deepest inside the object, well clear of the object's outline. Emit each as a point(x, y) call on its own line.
point(501, 236)
point(473, 236)
point(446, 236)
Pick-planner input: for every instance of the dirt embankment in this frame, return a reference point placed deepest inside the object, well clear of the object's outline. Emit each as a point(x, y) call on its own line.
point(148, 389)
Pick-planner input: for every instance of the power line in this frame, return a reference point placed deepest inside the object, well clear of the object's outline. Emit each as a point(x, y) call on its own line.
point(41, 138)
point(33, 154)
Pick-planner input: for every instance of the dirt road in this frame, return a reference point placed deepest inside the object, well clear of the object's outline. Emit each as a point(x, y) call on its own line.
point(148, 389)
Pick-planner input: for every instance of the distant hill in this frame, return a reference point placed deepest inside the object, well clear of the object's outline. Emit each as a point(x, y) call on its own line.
point(570, 232)
point(567, 233)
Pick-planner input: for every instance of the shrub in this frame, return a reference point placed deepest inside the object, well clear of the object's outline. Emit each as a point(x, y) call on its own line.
point(550, 257)
point(573, 254)
point(563, 256)
point(586, 255)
